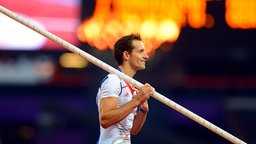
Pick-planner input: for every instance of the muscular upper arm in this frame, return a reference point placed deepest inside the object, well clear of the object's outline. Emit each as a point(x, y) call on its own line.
point(108, 104)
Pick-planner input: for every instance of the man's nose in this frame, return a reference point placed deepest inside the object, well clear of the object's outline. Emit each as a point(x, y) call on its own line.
point(146, 56)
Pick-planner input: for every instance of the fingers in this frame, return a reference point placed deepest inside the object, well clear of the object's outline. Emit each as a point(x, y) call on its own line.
point(147, 88)
point(147, 84)
point(151, 89)
point(144, 93)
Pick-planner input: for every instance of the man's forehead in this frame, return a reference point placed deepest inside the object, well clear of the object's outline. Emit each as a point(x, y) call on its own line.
point(137, 44)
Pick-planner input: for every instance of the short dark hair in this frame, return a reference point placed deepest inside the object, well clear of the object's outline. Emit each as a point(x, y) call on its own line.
point(124, 44)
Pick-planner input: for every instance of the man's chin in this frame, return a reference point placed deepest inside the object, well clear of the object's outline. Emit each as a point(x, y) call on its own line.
point(142, 68)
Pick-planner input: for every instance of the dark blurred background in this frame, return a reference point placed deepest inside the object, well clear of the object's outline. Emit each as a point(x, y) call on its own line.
point(209, 71)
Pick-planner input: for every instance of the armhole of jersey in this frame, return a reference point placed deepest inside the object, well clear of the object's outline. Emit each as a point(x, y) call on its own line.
point(106, 77)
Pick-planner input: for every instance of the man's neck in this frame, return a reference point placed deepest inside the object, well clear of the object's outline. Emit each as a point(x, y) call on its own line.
point(127, 70)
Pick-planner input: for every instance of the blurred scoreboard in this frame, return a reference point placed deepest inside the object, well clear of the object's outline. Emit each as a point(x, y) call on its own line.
point(60, 17)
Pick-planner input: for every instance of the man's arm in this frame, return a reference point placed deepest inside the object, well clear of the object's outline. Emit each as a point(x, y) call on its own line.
point(139, 118)
point(110, 114)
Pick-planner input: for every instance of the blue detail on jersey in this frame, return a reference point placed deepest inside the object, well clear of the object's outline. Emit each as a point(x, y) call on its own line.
point(121, 89)
point(103, 80)
point(120, 82)
point(119, 69)
point(107, 78)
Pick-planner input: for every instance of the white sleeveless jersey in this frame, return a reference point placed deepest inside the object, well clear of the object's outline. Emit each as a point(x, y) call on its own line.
point(112, 86)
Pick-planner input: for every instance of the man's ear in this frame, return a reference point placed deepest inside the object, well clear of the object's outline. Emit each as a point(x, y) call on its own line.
point(125, 55)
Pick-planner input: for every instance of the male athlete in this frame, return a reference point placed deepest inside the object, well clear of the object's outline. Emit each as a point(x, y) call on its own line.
point(122, 108)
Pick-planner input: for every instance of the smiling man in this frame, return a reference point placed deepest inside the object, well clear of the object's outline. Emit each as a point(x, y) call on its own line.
point(122, 108)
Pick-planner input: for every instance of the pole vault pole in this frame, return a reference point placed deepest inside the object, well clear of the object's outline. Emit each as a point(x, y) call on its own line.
point(121, 75)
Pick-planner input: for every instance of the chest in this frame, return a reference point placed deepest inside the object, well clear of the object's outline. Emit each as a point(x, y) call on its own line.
point(126, 94)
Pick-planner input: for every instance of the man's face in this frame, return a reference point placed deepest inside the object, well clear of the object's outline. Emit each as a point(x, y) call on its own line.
point(138, 56)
